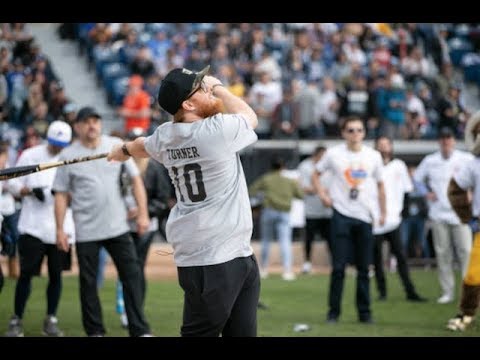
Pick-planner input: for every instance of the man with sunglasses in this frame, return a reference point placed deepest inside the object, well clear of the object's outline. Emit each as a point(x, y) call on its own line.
point(210, 227)
point(356, 171)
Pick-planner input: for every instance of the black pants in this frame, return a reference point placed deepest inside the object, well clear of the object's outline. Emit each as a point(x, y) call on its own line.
point(220, 299)
point(32, 251)
point(316, 226)
point(348, 233)
point(122, 252)
point(142, 245)
point(395, 244)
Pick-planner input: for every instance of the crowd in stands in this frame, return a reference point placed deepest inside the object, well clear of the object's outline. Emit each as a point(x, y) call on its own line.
point(404, 80)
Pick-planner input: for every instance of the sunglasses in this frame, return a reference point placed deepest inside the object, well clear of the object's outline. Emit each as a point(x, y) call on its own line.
point(352, 130)
point(202, 86)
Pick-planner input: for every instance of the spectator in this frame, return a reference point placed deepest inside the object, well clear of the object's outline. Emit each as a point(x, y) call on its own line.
point(277, 192)
point(317, 215)
point(94, 186)
point(397, 184)
point(36, 242)
point(356, 170)
point(136, 106)
point(449, 234)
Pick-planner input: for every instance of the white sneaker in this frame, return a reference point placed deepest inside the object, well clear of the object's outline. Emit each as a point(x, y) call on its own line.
point(263, 274)
point(124, 320)
point(307, 267)
point(288, 276)
point(445, 299)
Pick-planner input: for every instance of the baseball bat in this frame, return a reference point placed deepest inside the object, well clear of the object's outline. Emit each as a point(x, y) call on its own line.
point(18, 171)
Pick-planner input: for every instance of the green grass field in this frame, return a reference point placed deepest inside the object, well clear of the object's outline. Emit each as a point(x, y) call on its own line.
point(300, 301)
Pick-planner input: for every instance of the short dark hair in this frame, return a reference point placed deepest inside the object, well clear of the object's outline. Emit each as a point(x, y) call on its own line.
point(319, 149)
point(278, 163)
point(350, 119)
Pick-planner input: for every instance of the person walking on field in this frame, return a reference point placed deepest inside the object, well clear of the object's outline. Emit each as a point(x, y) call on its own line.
point(210, 227)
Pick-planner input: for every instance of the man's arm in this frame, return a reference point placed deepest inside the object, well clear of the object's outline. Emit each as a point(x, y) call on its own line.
point(382, 202)
point(135, 148)
point(233, 104)
point(140, 195)
point(459, 200)
point(320, 189)
point(61, 204)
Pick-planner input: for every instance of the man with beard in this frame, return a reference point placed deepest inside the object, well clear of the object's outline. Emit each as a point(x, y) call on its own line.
point(100, 217)
point(397, 185)
point(210, 227)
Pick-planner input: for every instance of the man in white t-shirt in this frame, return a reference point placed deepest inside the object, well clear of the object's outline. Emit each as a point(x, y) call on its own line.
point(449, 234)
point(356, 174)
point(210, 227)
point(317, 215)
point(36, 227)
point(397, 184)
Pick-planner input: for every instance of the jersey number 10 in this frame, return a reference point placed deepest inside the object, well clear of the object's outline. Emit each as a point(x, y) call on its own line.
point(188, 170)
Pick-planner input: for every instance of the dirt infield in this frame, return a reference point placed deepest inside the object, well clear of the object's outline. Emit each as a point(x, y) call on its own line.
point(161, 266)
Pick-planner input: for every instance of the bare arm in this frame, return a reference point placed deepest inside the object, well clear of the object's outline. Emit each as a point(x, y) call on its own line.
point(136, 148)
point(233, 104)
point(140, 195)
point(320, 189)
point(382, 202)
point(61, 204)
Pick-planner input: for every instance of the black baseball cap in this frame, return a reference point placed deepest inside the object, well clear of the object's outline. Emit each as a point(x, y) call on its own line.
point(446, 132)
point(177, 85)
point(87, 112)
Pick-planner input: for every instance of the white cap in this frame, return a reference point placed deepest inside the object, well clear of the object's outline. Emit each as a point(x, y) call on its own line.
point(59, 133)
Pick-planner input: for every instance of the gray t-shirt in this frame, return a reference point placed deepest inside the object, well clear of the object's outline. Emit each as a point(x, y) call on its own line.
point(212, 220)
point(99, 211)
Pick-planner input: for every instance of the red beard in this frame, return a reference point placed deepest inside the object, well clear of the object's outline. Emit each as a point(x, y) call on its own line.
point(210, 108)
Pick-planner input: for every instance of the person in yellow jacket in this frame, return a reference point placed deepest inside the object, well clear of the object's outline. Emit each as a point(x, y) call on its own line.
point(468, 210)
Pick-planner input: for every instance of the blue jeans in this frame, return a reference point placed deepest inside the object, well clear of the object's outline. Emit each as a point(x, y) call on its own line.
point(413, 228)
point(276, 221)
point(347, 234)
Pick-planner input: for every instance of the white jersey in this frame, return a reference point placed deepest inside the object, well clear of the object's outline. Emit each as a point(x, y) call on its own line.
point(397, 183)
point(469, 178)
point(359, 170)
point(435, 172)
point(314, 208)
point(212, 220)
point(37, 218)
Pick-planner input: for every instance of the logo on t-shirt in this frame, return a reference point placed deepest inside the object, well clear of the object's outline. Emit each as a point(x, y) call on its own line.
point(354, 177)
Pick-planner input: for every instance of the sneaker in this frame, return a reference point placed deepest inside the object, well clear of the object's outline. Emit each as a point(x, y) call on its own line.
point(459, 322)
point(50, 326)
point(445, 299)
point(288, 276)
point(416, 298)
point(307, 267)
point(365, 318)
point(262, 306)
point(263, 274)
point(332, 319)
point(15, 328)
point(124, 320)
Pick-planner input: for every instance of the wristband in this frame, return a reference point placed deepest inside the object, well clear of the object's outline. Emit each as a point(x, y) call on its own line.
point(125, 150)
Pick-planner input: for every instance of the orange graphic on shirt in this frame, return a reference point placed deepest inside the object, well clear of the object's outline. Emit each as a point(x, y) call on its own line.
point(354, 177)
